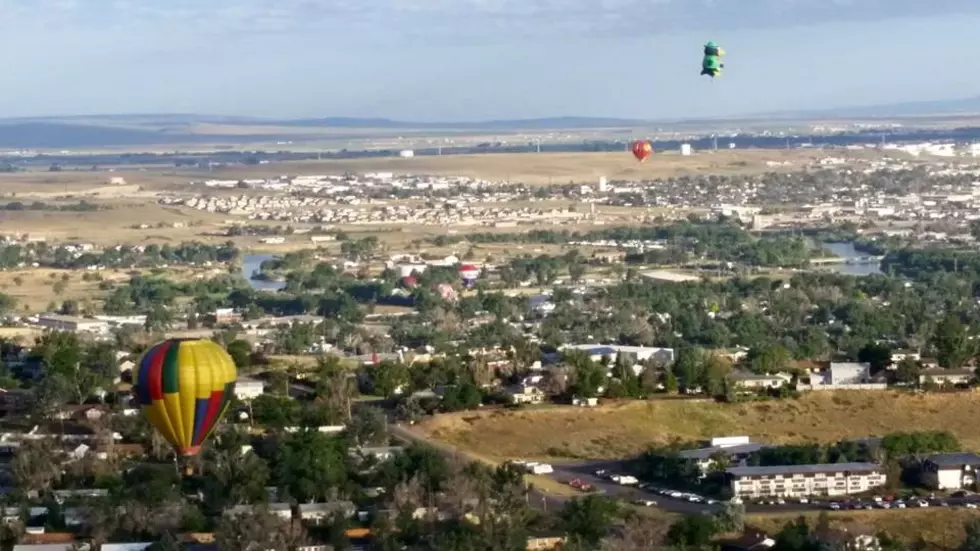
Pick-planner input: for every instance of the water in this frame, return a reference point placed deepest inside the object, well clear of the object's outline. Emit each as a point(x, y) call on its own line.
point(250, 264)
point(846, 250)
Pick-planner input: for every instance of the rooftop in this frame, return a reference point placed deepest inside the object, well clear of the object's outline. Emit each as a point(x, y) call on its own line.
point(705, 453)
point(804, 469)
point(954, 459)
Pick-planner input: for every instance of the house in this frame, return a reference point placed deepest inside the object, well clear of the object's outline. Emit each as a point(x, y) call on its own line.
point(805, 480)
point(524, 394)
point(848, 373)
point(941, 376)
point(845, 376)
point(750, 540)
point(72, 324)
point(281, 510)
point(248, 389)
point(634, 354)
point(319, 512)
point(753, 381)
point(950, 471)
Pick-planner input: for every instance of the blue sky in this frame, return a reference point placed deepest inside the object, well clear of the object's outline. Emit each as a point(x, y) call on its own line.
point(478, 59)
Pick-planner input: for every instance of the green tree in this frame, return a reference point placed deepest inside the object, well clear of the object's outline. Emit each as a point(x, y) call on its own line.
point(953, 344)
point(387, 377)
point(369, 427)
point(693, 531)
point(587, 520)
point(308, 464)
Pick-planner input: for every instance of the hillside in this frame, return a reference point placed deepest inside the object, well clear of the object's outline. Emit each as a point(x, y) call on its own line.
point(618, 431)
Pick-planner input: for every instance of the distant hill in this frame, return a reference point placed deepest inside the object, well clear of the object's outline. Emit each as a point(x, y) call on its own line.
point(965, 106)
point(514, 124)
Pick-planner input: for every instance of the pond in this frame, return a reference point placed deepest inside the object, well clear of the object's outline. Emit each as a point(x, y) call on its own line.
point(251, 264)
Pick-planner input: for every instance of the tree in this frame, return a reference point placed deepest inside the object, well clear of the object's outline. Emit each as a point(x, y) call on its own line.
point(369, 426)
point(878, 355)
point(7, 303)
point(258, 530)
point(36, 467)
point(972, 540)
point(308, 464)
point(952, 341)
point(692, 531)
point(234, 476)
point(388, 377)
point(240, 352)
point(335, 386)
point(908, 371)
point(588, 519)
point(732, 518)
point(769, 359)
point(637, 534)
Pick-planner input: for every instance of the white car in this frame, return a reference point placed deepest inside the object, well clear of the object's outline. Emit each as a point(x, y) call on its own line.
point(922, 503)
point(645, 502)
point(900, 504)
point(971, 505)
point(834, 506)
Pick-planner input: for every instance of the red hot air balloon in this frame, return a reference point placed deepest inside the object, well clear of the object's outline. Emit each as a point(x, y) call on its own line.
point(641, 150)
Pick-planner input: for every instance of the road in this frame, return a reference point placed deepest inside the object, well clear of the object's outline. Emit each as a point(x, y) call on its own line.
point(536, 498)
point(586, 473)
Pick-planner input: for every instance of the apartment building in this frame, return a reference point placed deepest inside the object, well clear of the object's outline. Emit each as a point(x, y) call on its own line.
point(839, 479)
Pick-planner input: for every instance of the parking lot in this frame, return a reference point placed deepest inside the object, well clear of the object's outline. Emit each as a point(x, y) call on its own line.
point(608, 480)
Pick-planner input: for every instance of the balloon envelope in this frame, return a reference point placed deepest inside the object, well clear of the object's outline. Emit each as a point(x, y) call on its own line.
point(184, 387)
point(641, 150)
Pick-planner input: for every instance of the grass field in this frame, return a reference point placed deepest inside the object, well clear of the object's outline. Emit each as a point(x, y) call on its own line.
point(938, 527)
point(618, 431)
point(556, 168)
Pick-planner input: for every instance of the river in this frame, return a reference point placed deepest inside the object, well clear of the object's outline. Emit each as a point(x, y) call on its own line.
point(846, 250)
point(251, 264)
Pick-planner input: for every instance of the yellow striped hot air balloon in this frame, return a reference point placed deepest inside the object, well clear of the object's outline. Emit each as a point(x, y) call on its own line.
point(184, 387)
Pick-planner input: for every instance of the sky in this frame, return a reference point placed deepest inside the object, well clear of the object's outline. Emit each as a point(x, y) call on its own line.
point(456, 60)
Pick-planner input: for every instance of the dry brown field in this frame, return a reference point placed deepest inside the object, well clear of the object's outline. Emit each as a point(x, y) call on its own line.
point(625, 429)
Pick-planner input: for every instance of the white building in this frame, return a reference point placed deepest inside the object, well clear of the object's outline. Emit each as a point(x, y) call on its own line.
point(950, 471)
point(805, 480)
point(248, 389)
point(685, 149)
point(72, 324)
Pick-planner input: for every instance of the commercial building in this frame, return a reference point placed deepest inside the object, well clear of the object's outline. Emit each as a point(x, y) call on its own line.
point(805, 480)
point(72, 324)
point(248, 389)
point(950, 471)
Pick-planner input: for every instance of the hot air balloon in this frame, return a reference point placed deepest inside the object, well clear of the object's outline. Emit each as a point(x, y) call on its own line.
point(409, 282)
point(711, 65)
point(469, 273)
point(641, 150)
point(184, 387)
